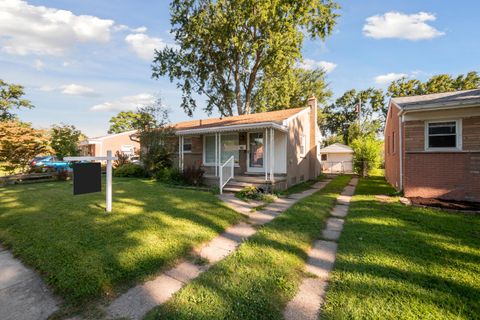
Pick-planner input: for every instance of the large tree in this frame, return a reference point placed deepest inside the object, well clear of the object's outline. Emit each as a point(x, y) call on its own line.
point(436, 84)
point(19, 143)
point(10, 99)
point(291, 91)
point(224, 47)
point(64, 140)
point(365, 106)
point(129, 120)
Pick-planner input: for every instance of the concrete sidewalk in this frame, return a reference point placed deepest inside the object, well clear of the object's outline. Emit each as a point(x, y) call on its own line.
point(23, 295)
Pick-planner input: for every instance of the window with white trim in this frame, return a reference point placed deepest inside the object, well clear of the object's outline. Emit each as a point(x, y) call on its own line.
point(229, 147)
point(442, 135)
point(209, 150)
point(303, 144)
point(187, 145)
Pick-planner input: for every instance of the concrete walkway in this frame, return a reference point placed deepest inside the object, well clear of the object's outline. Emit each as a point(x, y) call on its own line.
point(321, 258)
point(23, 295)
point(137, 301)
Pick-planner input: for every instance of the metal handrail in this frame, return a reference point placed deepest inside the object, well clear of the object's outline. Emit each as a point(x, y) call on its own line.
point(229, 164)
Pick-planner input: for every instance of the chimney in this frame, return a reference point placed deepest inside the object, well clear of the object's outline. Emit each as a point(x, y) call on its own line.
point(314, 163)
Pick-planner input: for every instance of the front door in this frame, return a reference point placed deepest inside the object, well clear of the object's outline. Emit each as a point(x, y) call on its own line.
point(256, 149)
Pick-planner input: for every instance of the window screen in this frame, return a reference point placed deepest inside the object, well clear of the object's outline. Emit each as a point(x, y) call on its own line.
point(209, 149)
point(229, 147)
point(187, 144)
point(442, 134)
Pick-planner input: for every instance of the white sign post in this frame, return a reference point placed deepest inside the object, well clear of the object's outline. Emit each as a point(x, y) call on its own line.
point(109, 160)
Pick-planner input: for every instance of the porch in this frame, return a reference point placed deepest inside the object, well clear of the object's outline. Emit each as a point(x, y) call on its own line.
point(237, 156)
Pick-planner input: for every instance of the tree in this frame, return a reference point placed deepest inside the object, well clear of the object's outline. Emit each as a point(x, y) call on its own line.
point(344, 112)
point(128, 120)
point(64, 140)
point(11, 98)
point(224, 47)
point(405, 87)
point(296, 89)
point(19, 143)
point(367, 154)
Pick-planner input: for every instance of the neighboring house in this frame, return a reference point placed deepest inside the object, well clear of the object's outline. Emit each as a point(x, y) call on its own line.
point(432, 145)
point(337, 158)
point(277, 148)
point(98, 146)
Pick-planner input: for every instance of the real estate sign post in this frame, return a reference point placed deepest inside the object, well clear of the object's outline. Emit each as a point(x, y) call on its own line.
point(86, 177)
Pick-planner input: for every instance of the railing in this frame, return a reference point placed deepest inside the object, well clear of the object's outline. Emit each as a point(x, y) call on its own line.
point(226, 172)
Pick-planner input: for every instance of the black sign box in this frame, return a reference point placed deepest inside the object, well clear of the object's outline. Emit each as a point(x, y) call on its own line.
point(87, 178)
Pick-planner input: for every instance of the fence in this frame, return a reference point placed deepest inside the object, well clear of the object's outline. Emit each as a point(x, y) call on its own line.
point(337, 166)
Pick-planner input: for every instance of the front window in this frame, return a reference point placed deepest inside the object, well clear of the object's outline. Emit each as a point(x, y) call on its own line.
point(442, 135)
point(209, 149)
point(229, 147)
point(187, 144)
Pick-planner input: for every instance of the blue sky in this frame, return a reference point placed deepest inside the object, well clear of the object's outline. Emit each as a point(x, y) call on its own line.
point(84, 64)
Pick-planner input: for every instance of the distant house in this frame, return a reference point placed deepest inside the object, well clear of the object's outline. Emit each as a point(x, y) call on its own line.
point(432, 145)
point(337, 158)
point(98, 146)
point(277, 148)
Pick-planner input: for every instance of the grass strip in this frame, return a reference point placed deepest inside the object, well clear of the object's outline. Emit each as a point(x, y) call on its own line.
point(84, 253)
point(398, 262)
point(258, 280)
point(302, 186)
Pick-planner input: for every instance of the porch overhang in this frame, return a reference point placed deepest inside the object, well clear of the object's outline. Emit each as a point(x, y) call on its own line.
point(233, 128)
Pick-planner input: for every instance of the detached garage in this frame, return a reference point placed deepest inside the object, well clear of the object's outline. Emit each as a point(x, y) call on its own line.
point(337, 158)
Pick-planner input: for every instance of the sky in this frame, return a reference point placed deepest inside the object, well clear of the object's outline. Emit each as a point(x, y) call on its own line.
point(81, 62)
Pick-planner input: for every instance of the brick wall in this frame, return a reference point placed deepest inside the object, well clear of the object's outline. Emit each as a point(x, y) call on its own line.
point(391, 148)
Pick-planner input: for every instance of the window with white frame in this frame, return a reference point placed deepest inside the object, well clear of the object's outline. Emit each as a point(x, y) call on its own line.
point(442, 135)
point(303, 144)
point(229, 147)
point(209, 150)
point(187, 144)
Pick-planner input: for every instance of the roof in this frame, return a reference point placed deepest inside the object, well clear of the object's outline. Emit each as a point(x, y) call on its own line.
point(336, 148)
point(276, 117)
point(110, 136)
point(439, 100)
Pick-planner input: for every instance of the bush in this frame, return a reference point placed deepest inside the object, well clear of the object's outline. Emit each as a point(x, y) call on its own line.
point(193, 176)
point(254, 193)
point(169, 175)
point(129, 170)
point(367, 154)
point(122, 159)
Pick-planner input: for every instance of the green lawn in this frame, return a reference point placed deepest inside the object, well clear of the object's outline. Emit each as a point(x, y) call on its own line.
point(84, 253)
point(258, 280)
point(302, 186)
point(397, 262)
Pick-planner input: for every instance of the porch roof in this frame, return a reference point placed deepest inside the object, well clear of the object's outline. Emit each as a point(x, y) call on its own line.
point(273, 119)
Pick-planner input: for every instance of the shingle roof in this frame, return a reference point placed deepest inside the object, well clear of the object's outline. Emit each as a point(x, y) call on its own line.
point(272, 116)
point(465, 97)
point(336, 148)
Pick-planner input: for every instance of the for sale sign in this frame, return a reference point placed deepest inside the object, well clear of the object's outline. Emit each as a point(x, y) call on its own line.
point(87, 178)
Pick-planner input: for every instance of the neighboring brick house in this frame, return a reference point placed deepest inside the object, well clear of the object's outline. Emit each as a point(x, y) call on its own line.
point(98, 146)
point(432, 145)
point(277, 148)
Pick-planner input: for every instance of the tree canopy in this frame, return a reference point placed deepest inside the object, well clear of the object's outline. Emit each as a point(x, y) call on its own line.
point(10, 99)
point(129, 120)
point(226, 49)
point(64, 140)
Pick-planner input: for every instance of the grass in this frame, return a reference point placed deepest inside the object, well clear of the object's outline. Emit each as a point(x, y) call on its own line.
point(302, 186)
point(258, 280)
point(85, 253)
point(397, 262)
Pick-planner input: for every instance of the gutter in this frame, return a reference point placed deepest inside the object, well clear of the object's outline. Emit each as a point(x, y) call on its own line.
point(238, 127)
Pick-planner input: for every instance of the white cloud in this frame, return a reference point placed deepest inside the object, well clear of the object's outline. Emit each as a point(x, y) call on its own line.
point(127, 103)
point(39, 65)
point(310, 64)
point(143, 45)
point(78, 90)
point(389, 77)
point(28, 29)
point(142, 29)
point(401, 26)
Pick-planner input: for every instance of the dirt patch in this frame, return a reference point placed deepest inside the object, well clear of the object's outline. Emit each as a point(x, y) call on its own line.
point(446, 204)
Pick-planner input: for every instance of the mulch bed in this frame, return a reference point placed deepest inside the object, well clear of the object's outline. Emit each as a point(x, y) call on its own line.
point(446, 204)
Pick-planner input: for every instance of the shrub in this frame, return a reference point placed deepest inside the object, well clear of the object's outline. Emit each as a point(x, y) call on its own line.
point(122, 159)
point(254, 193)
point(129, 170)
point(193, 176)
point(169, 175)
point(367, 154)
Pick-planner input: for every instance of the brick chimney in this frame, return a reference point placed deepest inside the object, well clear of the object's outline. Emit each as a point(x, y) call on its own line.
point(314, 163)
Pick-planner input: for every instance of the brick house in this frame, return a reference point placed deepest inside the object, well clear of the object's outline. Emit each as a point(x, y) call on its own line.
point(432, 145)
point(278, 148)
point(98, 146)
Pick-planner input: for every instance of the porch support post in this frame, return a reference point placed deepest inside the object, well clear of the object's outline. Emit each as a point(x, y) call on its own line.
point(182, 155)
point(179, 152)
point(216, 154)
point(272, 153)
point(265, 154)
point(219, 150)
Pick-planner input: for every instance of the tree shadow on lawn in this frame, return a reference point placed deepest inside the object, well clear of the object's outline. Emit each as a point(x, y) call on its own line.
point(84, 252)
point(396, 261)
